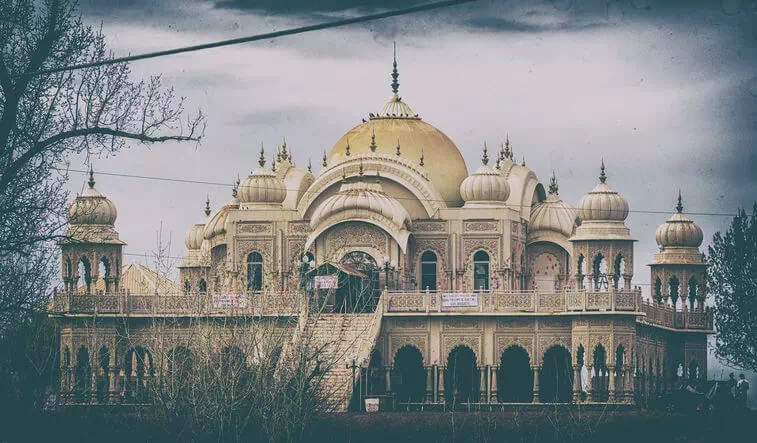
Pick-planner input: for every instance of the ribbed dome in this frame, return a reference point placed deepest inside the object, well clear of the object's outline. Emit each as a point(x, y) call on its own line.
point(552, 214)
point(362, 196)
point(602, 203)
point(263, 186)
point(92, 207)
point(486, 186)
point(193, 239)
point(679, 231)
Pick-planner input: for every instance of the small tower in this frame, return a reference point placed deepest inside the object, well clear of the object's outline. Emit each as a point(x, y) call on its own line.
point(678, 269)
point(91, 249)
point(194, 268)
point(602, 244)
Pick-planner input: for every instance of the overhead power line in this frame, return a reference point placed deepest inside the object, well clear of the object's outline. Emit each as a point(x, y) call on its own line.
point(213, 183)
point(257, 37)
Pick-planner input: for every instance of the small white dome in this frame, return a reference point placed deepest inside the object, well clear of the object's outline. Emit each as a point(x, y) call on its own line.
point(602, 203)
point(552, 215)
point(92, 207)
point(262, 186)
point(486, 186)
point(193, 239)
point(679, 231)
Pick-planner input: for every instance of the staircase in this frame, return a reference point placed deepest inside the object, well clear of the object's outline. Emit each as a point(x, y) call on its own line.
point(338, 340)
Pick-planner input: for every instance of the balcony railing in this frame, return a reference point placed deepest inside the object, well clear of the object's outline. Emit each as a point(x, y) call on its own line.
point(124, 303)
point(514, 301)
point(663, 315)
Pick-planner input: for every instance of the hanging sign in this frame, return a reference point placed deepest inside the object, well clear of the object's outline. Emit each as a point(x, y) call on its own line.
point(459, 299)
point(230, 300)
point(326, 281)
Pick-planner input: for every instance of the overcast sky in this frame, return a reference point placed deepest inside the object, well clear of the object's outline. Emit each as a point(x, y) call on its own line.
point(665, 91)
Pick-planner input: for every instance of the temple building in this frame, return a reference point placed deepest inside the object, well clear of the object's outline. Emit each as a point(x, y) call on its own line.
point(447, 287)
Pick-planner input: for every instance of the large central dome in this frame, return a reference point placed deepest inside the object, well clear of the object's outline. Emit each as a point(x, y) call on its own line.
point(398, 124)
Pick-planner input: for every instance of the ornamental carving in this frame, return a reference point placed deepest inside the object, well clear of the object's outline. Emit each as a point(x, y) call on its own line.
point(461, 323)
point(418, 341)
point(547, 341)
point(298, 228)
point(429, 226)
point(554, 323)
point(480, 226)
point(354, 234)
point(505, 341)
point(603, 323)
point(438, 245)
point(449, 342)
point(254, 228)
point(515, 323)
point(408, 323)
point(295, 250)
point(265, 247)
point(490, 245)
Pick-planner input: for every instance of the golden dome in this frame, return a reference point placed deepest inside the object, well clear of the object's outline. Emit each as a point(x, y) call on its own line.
point(679, 230)
point(397, 128)
point(602, 203)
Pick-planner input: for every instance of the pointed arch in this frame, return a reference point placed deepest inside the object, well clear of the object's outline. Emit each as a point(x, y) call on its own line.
point(515, 379)
point(409, 375)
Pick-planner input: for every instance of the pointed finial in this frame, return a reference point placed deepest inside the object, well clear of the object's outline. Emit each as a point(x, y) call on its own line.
point(207, 206)
point(273, 165)
point(422, 163)
point(398, 148)
point(602, 175)
point(395, 74)
point(324, 160)
point(278, 153)
point(261, 160)
point(523, 163)
point(284, 154)
point(310, 166)
point(485, 158)
point(498, 166)
point(373, 145)
point(553, 184)
point(344, 175)
point(508, 152)
point(360, 170)
point(91, 181)
point(235, 188)
point(679, 206)
point(378, 176)
point(347, 149)
point(501, 155)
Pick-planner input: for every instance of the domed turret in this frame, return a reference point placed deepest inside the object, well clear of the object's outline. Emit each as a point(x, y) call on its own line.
point(263, 186)
point(92, 207)
point(193, 239)
point(679, 230)
point(485, 187)
point(551, 216)
point(602, 203)
point(215, 228)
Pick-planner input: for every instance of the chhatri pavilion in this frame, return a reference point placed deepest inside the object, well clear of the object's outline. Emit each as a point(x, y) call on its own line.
point(449, 287)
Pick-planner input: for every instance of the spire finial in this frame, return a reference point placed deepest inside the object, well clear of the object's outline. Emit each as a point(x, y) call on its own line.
point(324, 163)
point(501, 155)
point(523, 163)
point(91, 181)
point(378, 176)
point(498, 165)
point(261, 160)
point(422, 157)
point(485, 158)
point(273, 164)
point(278, 153)
point(207, 206)
point(347, 149)
point(395, 74)
point(602, 175)
point(310, 166)
point(360, 170)
point(373, 145)
point(553, 184)
point(508, 152)
point(235, 188)
point(398, 148)
point(679, 206)
point(284, 154)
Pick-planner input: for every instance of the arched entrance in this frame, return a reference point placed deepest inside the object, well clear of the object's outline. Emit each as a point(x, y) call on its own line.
point(556, 376)
point(409, 381)
point(137, 368)
point(83, 375)
point(461, 380)
point(350, 285)
point(601, 377)
point(515, 379)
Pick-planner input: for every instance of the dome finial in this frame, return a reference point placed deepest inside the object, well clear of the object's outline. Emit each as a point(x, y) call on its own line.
point(284, 154)
point(373, 145)
point(278, 153)
point(422, 157)
point(310, 166)
point(347, 149)
point(553, 184)
point(498, 165)
point(207, 206)
point(523, 163)
point(508, 152)
point(602, 175)
point(679, 206)
point(378, 176)
point(395, 74)
point(273, 164)
point(91, 181)
point(485, 158)
point(261, 160)
point(324, 163)
point(235, 188)
point(398, 148)
point(360, 169)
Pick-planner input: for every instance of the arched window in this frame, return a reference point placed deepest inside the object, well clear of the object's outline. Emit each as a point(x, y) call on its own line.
point(187, 287)
point(673, 285)
point(620, 264)
point(658, 290)
point(480, 271)
point(428, 271)
point(202, 286)
point(599, 272)
point(692, 291)
point(254, 271)
point(85, 272)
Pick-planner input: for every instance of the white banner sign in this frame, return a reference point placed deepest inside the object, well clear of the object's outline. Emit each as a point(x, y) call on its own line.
point(326, 281)
point(459, 299)
point(230, 300)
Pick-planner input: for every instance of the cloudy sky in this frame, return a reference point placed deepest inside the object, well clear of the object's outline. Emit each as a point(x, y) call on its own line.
point(665, 91)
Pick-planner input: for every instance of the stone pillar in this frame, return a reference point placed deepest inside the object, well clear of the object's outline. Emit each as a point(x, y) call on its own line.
point(429, 384)
point(113, 383)
point(493, 386)
point(611, 384)
point(576, 383)
point(441, 384)
point(592, 386)
point(483, 386)
point(536, 383)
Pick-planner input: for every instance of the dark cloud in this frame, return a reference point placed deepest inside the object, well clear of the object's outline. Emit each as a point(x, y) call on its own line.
point(299, 7)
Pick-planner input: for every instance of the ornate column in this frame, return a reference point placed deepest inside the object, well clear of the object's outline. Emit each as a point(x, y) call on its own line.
point(576, 383)
point(429, 384)
point(441, 384)
point(493, 398)
point(388, 375)
point(536, 383)
point(483, 386)
point(611, 384)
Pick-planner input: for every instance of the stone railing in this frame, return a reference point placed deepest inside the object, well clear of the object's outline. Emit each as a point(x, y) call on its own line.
point(663, 315)
point(127, 304)
point(569, 300)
